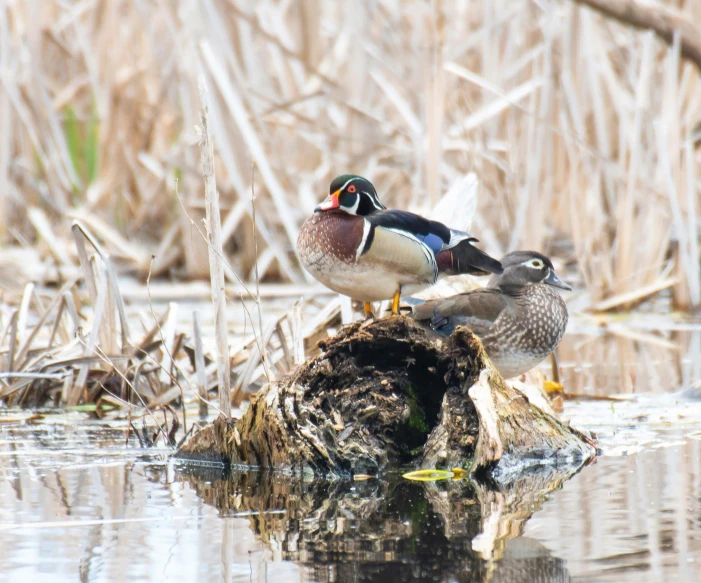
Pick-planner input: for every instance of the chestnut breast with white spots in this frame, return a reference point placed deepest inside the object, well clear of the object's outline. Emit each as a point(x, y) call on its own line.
point(330, 245)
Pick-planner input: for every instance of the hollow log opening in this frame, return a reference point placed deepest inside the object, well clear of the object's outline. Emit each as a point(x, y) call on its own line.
point(390, 377)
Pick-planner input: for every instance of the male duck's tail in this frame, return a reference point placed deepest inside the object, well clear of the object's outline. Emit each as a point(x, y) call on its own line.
point(466, 258)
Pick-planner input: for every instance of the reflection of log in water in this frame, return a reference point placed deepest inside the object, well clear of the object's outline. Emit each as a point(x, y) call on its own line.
point(392, 530)
point(382, 393)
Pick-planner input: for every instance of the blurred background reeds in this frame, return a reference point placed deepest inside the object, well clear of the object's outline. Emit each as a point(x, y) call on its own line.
point(584, 133)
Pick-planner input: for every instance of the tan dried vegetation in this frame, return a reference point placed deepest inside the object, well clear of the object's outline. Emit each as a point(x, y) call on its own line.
point(584, 134)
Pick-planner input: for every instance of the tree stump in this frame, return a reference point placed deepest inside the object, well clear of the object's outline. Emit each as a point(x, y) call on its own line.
point(383, 394)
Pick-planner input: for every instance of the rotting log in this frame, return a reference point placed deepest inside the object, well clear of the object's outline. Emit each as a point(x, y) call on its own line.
point(383, 394)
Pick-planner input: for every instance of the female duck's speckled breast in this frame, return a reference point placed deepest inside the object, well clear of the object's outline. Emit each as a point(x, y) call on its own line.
point(523, 337)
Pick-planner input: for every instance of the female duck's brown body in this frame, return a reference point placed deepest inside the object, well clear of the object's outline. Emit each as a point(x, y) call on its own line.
point(356, 247)
point(519, 317)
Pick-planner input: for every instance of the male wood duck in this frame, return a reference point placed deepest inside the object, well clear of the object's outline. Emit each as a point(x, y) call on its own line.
point(357, 247)
point(519, 317)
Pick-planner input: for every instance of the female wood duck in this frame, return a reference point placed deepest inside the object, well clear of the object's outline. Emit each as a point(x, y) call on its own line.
point(519, 317)
point(357, 247)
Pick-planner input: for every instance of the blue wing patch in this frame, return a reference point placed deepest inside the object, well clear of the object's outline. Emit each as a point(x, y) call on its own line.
point(432, 241)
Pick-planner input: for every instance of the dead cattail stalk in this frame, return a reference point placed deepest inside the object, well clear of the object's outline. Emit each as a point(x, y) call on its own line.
point(216, 264)
point(263, 353)
point(199, 363)
point(13, 343)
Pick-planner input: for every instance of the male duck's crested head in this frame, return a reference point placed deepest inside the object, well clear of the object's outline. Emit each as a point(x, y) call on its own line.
point(352, 194)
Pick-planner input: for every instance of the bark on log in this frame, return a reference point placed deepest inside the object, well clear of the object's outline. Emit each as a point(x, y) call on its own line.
point(381, 395)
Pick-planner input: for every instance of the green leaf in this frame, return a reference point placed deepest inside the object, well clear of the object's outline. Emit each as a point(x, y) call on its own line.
point(90, 408)
point(92, 145)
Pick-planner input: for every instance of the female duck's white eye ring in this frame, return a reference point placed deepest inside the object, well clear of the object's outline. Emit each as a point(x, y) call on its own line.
point(536, 263)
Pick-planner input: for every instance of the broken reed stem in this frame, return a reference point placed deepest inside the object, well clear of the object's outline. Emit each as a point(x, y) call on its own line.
point(13, 343)
point(263, 352)
point(199, 363)
point(216, 265)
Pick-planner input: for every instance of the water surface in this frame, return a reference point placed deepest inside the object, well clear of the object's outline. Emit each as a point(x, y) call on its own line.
point(79, 503)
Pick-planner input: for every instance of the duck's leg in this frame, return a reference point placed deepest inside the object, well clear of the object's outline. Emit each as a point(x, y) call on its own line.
point(367, 307)
point(395, 302)
point(554, 386)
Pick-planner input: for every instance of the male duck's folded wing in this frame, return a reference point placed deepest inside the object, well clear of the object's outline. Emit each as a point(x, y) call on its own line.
point(433, 234)
point(452, 249)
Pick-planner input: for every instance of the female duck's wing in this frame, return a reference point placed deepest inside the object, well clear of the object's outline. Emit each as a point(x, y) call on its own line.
point(477, 310)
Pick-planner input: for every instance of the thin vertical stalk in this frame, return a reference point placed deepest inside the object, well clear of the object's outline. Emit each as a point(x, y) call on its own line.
point(216, 253)
point(199, 363)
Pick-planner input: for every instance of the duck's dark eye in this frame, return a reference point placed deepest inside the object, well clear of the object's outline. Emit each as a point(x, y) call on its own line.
point(352, 189)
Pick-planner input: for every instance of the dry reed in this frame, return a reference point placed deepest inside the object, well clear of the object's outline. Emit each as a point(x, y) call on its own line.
point(73, 346)
point(583, 131)
point(583, 134)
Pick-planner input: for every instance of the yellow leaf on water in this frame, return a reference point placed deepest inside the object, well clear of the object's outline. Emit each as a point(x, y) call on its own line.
point(429, 475)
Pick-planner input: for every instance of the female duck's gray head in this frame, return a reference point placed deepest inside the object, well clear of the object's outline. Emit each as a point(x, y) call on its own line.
point(523, 268)
point(352, 194)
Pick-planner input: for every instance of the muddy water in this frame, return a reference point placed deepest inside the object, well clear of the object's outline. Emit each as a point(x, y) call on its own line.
point(77, 503)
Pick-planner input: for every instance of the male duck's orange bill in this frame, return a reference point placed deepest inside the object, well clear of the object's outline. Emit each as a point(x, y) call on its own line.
point(330, 203)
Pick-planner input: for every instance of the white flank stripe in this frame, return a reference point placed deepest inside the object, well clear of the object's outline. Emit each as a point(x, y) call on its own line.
point(366, 232)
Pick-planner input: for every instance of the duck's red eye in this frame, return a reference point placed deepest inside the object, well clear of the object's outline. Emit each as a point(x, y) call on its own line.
point(351, 189)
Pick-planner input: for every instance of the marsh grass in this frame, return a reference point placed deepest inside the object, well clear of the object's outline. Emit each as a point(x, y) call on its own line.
point(583, 133)
point(78, 345)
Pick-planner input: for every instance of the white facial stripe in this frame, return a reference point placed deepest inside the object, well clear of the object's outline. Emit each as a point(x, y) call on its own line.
point(346, 184)
point(372, 199)
point(366, 232)
point(353, 210)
